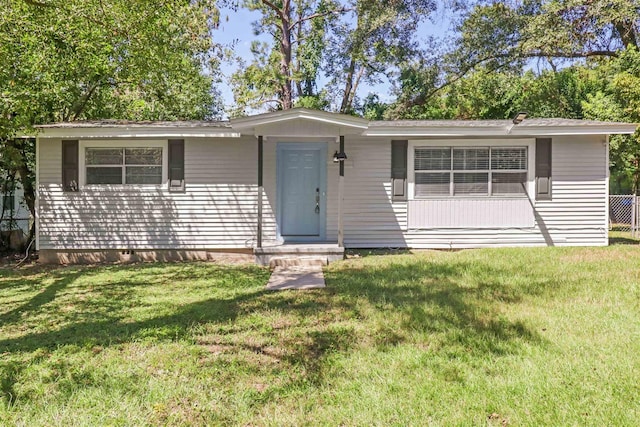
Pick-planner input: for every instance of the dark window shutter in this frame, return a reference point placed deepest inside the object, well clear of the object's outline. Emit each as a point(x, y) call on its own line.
point(543, 169)
point(399, 169)
point(176, 165)
point(70, 153)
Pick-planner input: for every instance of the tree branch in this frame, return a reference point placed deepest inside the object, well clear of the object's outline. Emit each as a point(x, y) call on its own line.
point(80, 106)
point(267, 101)
point(472, 66)
point(275, 8)
point(320, 15)
point(587, 54)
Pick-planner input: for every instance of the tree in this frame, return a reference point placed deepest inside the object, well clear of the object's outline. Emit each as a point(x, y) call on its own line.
point(617, 98)
point(297, 28)
point(375, 38)
point(73, 60)
point(508, 34)
point(346, 43)
point(486, 94)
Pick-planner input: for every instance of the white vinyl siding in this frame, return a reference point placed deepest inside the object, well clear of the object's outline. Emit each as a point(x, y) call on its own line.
point(217, 210)
point(577, 215)
point(370, 214)
point(471, 213)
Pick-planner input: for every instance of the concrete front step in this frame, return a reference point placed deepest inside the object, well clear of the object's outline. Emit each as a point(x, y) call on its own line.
point(298, 254)
point(301, 261)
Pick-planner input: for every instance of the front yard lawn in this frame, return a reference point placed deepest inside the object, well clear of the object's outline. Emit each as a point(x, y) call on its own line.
point(547, 336)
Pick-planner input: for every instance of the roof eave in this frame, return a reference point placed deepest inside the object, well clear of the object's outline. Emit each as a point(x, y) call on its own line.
point(394, 131)
point(135, 132)
point(613, 129)
point(523, 131)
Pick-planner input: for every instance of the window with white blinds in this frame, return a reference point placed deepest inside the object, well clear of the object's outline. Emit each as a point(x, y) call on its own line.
point(477, 171)
point(124, 165)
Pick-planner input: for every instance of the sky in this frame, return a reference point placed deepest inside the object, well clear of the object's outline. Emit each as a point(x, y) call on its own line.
point(235, 28)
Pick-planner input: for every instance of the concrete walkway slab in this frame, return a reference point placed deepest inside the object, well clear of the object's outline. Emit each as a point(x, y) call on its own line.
point(307, 277)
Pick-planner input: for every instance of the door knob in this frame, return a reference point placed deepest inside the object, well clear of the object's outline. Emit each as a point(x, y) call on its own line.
point(317, 200)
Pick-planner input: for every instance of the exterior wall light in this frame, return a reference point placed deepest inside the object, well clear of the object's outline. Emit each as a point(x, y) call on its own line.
point(519, 117)
point(339, 157)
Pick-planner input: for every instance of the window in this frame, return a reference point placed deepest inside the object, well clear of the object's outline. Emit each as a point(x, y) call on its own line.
point(433, 171)
point(508, 170)
point(8, 198)
point(470, 171)
point(477, 171)
point(123, 165)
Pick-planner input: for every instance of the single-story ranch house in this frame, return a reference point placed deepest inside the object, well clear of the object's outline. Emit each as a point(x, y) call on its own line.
point(312, 181)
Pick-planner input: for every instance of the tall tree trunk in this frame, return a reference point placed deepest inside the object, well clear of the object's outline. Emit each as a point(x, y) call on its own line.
point(345, 107)
point(353, 50)
point(354, 88)
point(299, 89)
point(285, 62)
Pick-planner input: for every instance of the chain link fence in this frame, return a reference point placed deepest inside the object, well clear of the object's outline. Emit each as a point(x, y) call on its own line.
point(624, 215)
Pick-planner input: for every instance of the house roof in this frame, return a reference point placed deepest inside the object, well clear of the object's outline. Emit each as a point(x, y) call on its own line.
point(342, 124)
point(96, 129)
point(138, 124)
point(487, 123)
point(336, 119)
point(528, 127)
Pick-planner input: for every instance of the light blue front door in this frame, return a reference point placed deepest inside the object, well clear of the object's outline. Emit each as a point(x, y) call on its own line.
point(301, 187)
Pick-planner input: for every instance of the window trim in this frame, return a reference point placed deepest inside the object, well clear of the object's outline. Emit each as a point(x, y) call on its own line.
point(529, 143)
point(82, 166)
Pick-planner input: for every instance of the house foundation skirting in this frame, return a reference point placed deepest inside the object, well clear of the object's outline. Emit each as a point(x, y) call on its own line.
point(54, 256)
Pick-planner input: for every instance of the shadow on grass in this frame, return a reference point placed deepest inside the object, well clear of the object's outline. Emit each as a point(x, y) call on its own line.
point(45, 296)
point(623, 241)
point(457, 304)
point(362, 253)
point(100, 311)
point(461, 302)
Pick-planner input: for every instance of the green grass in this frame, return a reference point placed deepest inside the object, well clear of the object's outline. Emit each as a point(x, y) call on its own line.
point(622, 237)
point(547, 336)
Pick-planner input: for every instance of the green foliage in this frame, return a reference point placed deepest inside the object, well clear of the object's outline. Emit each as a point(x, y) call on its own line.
point(257, 84)
point(89, 59)
point(372, 108)
point(618, 99)
point(484, 94)
point(507, 34)
point(63, 61)
point(313, 102)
